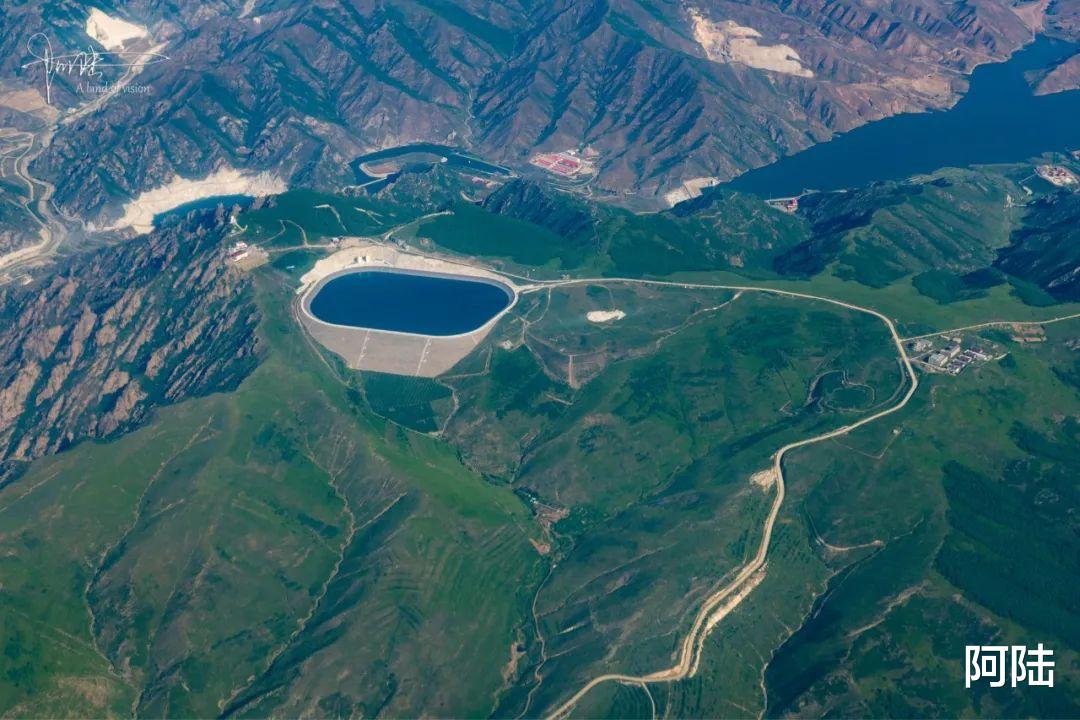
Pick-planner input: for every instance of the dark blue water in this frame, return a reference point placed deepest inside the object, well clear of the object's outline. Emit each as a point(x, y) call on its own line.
point(405, 302)
point(454, 158)
point(998, 121)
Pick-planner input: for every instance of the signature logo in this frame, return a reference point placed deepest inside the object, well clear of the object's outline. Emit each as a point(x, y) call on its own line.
point(988, 662)
point(83, 64)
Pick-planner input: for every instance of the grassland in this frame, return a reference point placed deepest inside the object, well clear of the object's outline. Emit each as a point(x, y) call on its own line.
point(923, 252)
point(468, 230)
point(632, 445)
point(307, 217)
point(209, 562)
point(924, 527)
point(284, 549)
point(913, 312)
point(906, 541)
point(643, 475)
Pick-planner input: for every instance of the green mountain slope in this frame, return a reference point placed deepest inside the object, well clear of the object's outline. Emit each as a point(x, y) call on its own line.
point(255, 541)
point(293, 538)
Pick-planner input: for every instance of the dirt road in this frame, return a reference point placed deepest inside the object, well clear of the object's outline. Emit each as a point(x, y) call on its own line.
point(994, 323)
point(722, 602)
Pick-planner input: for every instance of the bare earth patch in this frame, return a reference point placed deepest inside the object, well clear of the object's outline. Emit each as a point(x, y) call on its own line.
point(1063, 78)
point(732, 602)
point(1032, 14)
point(30, 101)
point(603, 316)
point(94, 690)
point(690, 189)
point(938, 87)
point(764, 479)
point(729, 42)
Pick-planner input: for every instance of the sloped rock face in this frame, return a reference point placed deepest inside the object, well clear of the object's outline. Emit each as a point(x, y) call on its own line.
point(1062, 78)
point(302, 88)
point(89, 351)
point(1046, 250)
point(644, 93)
point(529, 201)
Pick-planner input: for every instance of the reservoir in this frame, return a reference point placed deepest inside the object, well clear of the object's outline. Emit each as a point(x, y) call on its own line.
point(999, 120)
point(409, 302)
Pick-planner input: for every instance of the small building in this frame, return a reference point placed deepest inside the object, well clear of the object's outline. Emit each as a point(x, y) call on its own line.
point(938, 359)
point(922, 345)
point(1057, 175)
point(238, 251)
point(788, 205)
point(565, 163)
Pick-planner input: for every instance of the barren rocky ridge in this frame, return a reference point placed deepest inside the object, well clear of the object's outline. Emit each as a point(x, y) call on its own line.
point(302, 88)
point(88, 352)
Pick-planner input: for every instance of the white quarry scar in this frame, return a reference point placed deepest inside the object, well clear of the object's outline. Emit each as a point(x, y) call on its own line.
point(729, 42)
point(112, 32)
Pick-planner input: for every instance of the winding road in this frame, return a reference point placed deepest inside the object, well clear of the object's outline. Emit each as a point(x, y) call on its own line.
point(37, 206)
point(723, 601)
point(727, 598)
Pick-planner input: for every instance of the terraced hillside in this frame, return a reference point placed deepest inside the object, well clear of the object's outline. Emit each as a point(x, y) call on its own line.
point(302, 533)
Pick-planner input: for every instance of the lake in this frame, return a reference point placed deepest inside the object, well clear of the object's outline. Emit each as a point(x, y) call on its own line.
point(409, 302)
point(998, 121)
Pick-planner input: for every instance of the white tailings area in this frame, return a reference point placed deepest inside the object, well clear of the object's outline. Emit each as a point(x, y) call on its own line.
point(139, 213)
point(729, 42)
point(112, 32)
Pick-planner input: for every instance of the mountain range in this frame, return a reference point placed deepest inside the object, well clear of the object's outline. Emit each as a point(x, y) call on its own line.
point(664, 92)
